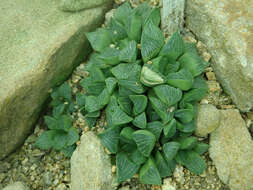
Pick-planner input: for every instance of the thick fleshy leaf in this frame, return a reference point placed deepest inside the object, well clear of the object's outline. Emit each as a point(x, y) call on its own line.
point(187, 142)
point(161, 109)
point(110, 138)
point(145, 141)
point(124, 92)
point(169, 129)
point(170, 149)
point(68, 151)
point(91, 87)
point(51, 122)
point(198, 91)
point(126, 147)
point(152, 40)
point(192, 161)
point(93, 114)
point(187, 127)
point(156, 128)
point(134, 27)
point(132, 84)
point(137, 157)
point(110, 84)
point(103, 98)
point(174, 47)
point(193, 63)
point(44, 142)
point(91, 121)
point(126, 135)
point(110, 56)
point(122, 12)
point(59, 110)
point(119, 117)
point(99, 39)
point(150, 77)
point(110, 109)
point(140, 103)
point(140, 121)
point(80, 100)
point(201, 148)
point(182, 79)
point(125, 104)
point(149, 173)
point(172, 67)
point(60, 140)
point(184, 115)
point(126, 71)
point(143, 10)
point(92, 104)
point(125, 167)
point(117, 30)
point(164, 167)
point(154, 16)
point(73, 136)
point(168, 94)
point(129, 53)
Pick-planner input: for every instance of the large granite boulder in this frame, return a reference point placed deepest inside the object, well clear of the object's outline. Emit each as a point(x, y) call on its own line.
point(226, 27)
point(39, 47)
point(231, 149)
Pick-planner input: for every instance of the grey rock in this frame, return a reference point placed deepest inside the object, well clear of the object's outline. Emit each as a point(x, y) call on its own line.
point(47, 177)
point(168, 184)
point(231, 150)
point(78, 5)
point(208, 119)
point(226, 27)
point(172, 15)
point(90, 165)
point(16, 186)
point(39, 47)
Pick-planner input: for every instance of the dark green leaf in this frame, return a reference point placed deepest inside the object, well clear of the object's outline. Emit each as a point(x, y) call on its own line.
point(51, 122)
point(192, 161)
point(170, 128)
point(201, 148)
point(60, 140)
point(92, 104)
point(110, 138)
point(122, 13)
point(43, 142)
point(110, 56)
point(149, 173)
point(103, 98)
point(73, 136)
point(110, 84)
point(58, 110)
point(140, 103)
point(99, 39)
point(68, 151)
point(125, 167)
point(137, 157)
point(126, 71)
point(170, 149)
point(169, 95)
point(134, 27)
point(119, 117)
point(140, 120)
point(93, 114)
point(91, 121)
point(80, 100)
point(152, 40)
point(129, 53)
point(174, 48)
point(164, 167)
point(64, 91)
point(188, 127)
point(160, 109)
point(145, 141)
point(91, 87)
point(125, 104)
point(117, 30)
point(132, 84)
point(184, 115)
point(187, 142)
point(182, 79)
point(126, 135)
point(154, 16)
point(156, 128)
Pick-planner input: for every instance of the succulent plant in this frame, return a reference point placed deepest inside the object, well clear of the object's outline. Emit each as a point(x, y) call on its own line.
point(149, 90)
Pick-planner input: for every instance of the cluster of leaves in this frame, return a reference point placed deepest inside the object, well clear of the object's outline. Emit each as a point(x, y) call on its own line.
point(61, 136)
point(149, 90)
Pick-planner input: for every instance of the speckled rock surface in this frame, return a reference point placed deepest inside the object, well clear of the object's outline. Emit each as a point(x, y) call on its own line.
point(16, 186)
point(39, 47)
point(90, 165)
point(208, 119)
point(231, 150)
point(172, 15)
point(226, 27)
point(77, 5)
